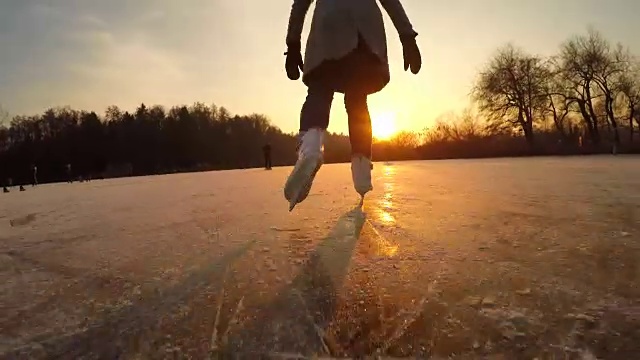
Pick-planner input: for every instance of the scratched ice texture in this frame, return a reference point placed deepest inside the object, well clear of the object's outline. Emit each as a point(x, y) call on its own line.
point(465, 259)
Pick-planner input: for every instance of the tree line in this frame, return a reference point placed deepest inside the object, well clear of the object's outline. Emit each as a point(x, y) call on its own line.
point(150, 140)
point(585, 99)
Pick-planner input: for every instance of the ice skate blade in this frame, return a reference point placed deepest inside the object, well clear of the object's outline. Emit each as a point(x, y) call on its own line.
point(304, 188)
point(301, 172)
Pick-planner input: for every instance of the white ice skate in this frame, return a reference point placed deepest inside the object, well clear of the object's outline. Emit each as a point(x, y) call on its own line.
point(361, 168)
point(309, 161)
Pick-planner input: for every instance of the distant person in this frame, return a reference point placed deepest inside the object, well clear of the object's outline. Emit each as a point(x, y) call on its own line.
point(347, 53)
point(68, 170)
point(266, 150)
point(34, 180)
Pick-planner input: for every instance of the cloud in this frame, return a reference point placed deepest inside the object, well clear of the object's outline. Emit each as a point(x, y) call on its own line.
point(92, 21)
point(85, 59)
point(125, 71)
point(93, 53)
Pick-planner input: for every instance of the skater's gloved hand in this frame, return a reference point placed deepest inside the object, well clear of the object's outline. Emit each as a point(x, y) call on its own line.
point(293, 63)
point(412, 57)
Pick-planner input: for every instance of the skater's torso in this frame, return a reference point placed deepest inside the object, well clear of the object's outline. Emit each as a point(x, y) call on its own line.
point(335, 28)
point(337, 25)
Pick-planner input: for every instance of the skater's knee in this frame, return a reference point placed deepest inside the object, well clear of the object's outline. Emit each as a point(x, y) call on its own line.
point(316, 109)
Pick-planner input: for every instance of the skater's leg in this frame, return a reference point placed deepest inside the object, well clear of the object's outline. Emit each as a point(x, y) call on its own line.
point(360, 136)
point(316, 108)
point(314, 120)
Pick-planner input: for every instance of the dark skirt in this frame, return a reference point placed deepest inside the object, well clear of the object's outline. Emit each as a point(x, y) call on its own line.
point(360, 71)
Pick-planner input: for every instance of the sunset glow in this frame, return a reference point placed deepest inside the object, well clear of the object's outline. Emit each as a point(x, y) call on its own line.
point(384, 125)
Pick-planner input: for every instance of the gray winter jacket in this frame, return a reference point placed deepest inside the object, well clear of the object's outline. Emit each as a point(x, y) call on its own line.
point(336, 24)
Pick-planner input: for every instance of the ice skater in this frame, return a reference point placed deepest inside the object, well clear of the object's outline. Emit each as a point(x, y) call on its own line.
point(346, 52)
point(266, 151)
point(68, 171)
point(34, 180)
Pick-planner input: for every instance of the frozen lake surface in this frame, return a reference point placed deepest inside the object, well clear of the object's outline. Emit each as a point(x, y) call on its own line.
point(504, 258)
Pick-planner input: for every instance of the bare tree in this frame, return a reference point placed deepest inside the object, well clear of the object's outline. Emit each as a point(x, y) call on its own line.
point(511, 89)
point(4, 130)
point(4, 117)
point(589, 67)
point(576, 81)
point(469, 124)
point(629, 86)
point(557, 101)
point(406, 139)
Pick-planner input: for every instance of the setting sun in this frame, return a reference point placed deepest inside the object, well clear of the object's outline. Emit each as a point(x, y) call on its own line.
point(384, 125)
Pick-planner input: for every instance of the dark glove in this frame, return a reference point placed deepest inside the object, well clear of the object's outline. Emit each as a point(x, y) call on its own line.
point(293, 63)
point(411, 54)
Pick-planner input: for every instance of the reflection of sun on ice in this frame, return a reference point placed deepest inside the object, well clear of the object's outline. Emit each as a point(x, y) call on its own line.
point(383, 125)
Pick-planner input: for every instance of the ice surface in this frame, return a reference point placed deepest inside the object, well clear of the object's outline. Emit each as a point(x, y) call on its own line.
point(513, 257)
